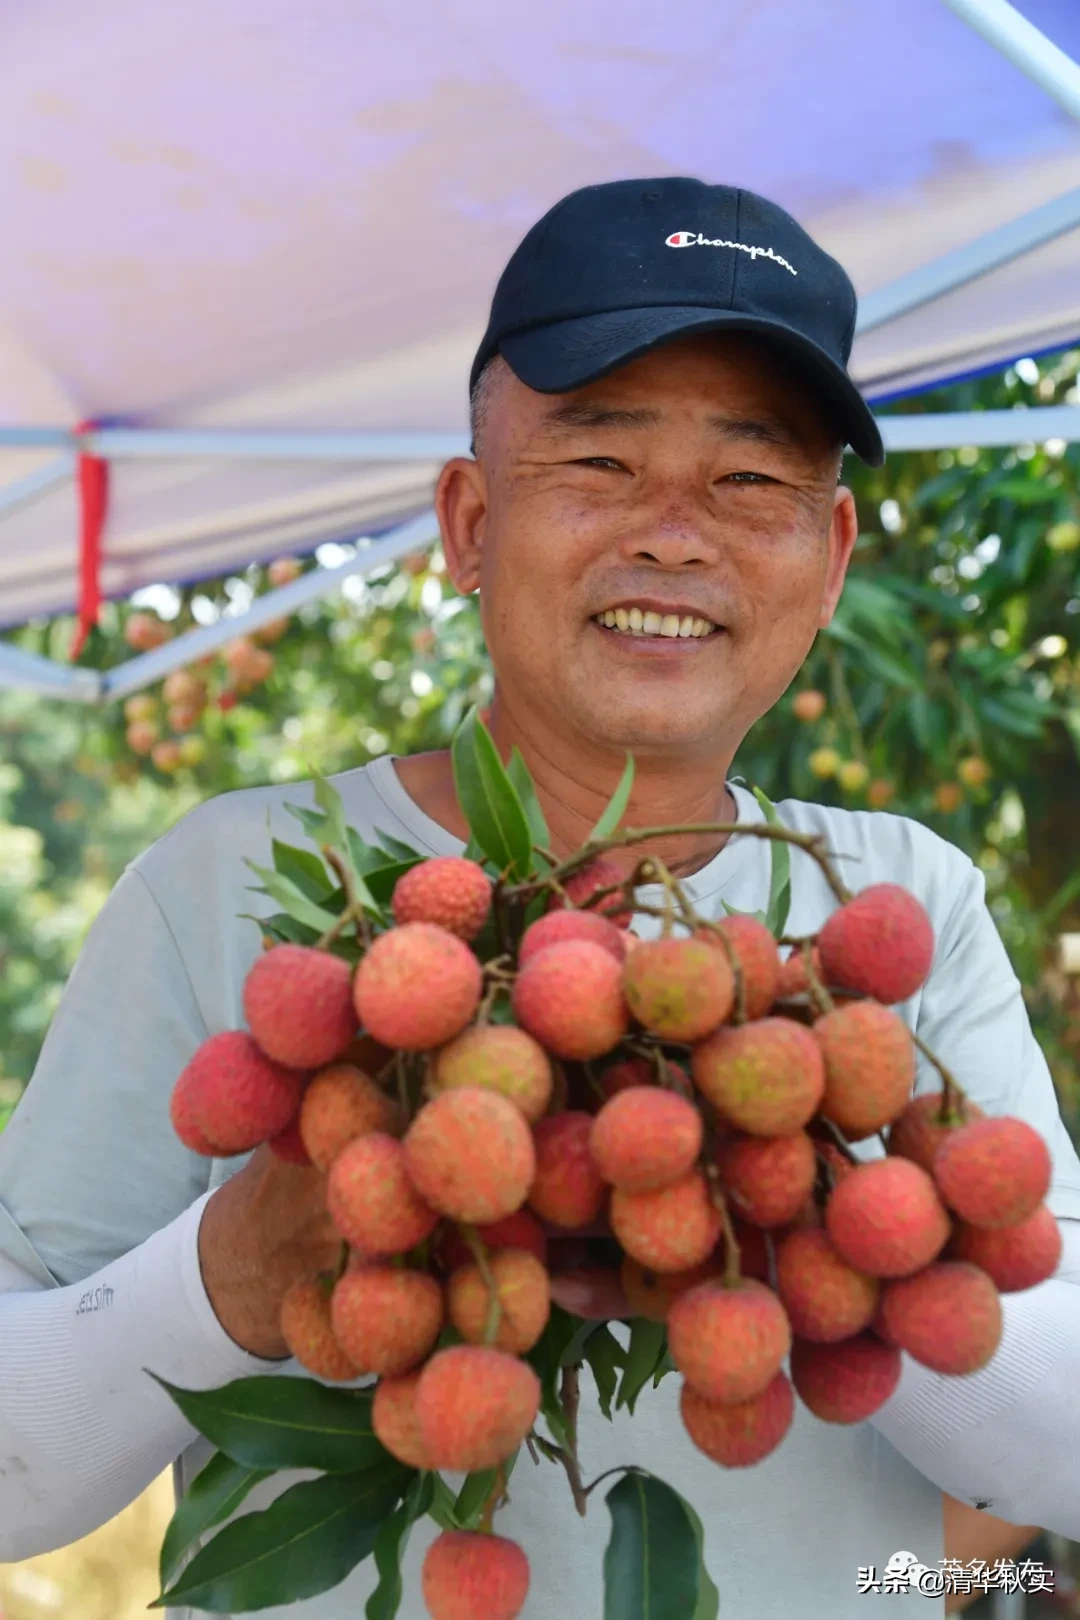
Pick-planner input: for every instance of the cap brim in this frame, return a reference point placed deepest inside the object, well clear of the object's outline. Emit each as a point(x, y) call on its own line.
point(563, 355)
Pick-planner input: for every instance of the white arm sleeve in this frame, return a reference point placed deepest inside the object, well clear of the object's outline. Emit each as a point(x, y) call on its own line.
point(83, 1428)
point(1006, 1438)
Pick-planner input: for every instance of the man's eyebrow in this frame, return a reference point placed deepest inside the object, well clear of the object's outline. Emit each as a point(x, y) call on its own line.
point(578, 414)
point(767, 430)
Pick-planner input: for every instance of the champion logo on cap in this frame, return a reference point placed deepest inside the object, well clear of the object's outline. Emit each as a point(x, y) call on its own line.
point(682, 239)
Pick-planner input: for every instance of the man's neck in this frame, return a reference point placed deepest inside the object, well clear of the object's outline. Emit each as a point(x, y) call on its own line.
point(573, 787)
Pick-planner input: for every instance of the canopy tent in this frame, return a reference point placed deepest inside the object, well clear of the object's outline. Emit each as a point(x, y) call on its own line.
point(249, 245)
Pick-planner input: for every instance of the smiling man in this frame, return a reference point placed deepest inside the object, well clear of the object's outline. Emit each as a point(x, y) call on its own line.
point(654, 525)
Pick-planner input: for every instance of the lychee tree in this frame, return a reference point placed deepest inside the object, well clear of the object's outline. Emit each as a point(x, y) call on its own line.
point(481, 1054)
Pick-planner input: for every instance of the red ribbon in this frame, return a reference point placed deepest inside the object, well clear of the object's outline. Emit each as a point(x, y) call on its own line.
point(92, 478)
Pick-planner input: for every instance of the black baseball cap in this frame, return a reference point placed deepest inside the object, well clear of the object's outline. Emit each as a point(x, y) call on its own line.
point(615, 270)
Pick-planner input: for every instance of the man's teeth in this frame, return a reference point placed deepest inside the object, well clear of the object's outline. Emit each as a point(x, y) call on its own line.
point(638, 623)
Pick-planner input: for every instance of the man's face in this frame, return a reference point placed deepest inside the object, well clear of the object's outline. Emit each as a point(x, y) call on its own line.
point(692, 490)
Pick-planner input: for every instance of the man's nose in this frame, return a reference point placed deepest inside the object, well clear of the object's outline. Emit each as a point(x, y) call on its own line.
point(676, 540)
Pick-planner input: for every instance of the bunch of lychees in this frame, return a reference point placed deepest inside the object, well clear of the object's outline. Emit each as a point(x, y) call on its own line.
point(695, 1091)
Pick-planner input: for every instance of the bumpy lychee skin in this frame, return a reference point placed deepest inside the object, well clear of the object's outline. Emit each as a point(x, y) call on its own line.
point(651, 1295)
point(393, 1417)
point(231, 1094)
point(880, 944)
point(947, 1316)
point(886, 1218)
point(288, 1145)
point(417, 987)
point(299, 1007)
point(580, 887)
point(728, 1343)
point(826, 1299)
point(448, 890)
point(645, 1137)
point(738, 1434)
point(924, 1125)
point(568, 1189)
point(500, 1058)
point(521, 1230)
point(668, 1228)
point(470, 1575)
point(309, 1334)
point(570, 998)
point(385, 1319)
point(340, 1104)
point(1013, 1257)
point(523, 1288)
point(757, 957)
point(869, 1067)
point(767, 1077)
point(993, 1172)
point(372, 1201)
point(556, 927)
point(768, 1178)
point(680, 989)
point(846, 1382)
point(470, 1154)
point(793, 980)
point(475, 1406)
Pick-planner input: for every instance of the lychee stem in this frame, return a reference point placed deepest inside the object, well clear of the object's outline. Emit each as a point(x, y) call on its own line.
point(839, 1139)
point(496, 1499)
point(821, 996)
point(480, 1255)
point(354, 910)
point(570, 1400)
point(953, 1096)
point(732, 1251)
point(342, 1263)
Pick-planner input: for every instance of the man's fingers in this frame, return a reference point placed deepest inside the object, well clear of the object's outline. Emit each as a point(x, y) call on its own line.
point(594, 1292)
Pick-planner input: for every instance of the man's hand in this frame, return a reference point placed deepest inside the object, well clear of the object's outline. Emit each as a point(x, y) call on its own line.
point(264, 1230)
point(583, 1279)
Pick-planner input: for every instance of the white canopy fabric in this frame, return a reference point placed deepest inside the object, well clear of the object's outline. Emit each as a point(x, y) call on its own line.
point(258, 216)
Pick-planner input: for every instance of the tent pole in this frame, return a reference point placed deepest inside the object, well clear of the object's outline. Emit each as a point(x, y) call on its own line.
point(35, 484)
point(126, 444)
point(31, 673)
point(945, 430)
point(1026, 46)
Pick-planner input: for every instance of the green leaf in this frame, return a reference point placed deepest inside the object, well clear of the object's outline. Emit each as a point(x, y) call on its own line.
point(283, 928)
point(651, 1563)
point(606, 1357)
point(390, 1546)
point(293, 899)
point(473, 1495)
point(708, 1603)
point(314, 822)
point(284, 1423)
point(780, 880)
point(489, 800)
point(518, 773)
point(664, 1366)
point(396, 848)
point(213, 1495)
point(303, 868)
point(304, 1543)
point(328, 799)
point(609, 821)
point(648, 1341)
point(442, 1504)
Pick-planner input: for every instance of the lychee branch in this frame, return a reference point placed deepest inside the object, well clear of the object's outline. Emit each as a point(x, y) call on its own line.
point(354, 910)
point(732, 1250)
point(952, 1093)
point(480, 1255)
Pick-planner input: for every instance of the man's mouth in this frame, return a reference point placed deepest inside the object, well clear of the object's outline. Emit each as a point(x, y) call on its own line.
point(637, 621)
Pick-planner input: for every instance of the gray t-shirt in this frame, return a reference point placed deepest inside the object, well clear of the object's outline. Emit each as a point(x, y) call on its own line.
point(90, 1169)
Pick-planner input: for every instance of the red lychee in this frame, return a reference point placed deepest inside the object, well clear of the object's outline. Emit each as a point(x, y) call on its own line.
point(729, 1343)
point(1013, 1257)
point(651, 1295)
point(473, 1575)
point(846, 1382)
point(869, 1067)
point(886, 1218)
point(393, 1417)
point(524, 1294)
point(386, 1319)
point(568, 1189)
point(947, 1316)
point(299, 1007)
point(993, 1172)
point(825, 1298)
point(371, 1199)
point(767, 1077)
point(924, 1125)
point(668, 1228)
point(309, 1334)
point(570, 998)
point(758, 959)
point(232, 1095)
point(475, 1406)
point(768, 1178)
point(880, 944)
point(738, 1434)
point(645, 1137)
point(340, 1104)
point(470, 1154)
point(288, 1145)
point(448, 890)
point(417, 987)
point(579, 888)
point(793, 979)
point(517, 1231)
point(556, 927)
point(680, 989)
point(500, 1058)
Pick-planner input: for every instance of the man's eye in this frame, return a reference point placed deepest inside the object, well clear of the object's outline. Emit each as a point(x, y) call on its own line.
point(599, 461)
point(749, 478)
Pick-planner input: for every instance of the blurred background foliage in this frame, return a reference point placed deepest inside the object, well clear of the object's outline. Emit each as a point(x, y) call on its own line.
point(947, 689)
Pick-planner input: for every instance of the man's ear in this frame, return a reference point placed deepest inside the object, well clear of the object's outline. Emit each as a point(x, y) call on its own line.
point(461, 507)
point(843, 533)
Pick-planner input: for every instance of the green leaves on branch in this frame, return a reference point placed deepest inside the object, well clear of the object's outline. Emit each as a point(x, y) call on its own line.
point(648, 1346)
point(780, 872)
point(284, 1423)
point(653, 1565)
point(489, 800)
point(213, 1496)
point(612, 816)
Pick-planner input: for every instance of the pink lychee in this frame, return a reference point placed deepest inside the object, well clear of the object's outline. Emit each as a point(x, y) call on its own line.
point(417, 987)
point(299, 1007)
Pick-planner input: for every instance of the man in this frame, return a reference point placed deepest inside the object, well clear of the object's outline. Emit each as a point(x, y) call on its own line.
point(655, 528)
